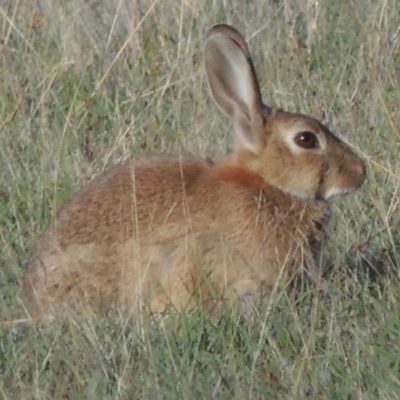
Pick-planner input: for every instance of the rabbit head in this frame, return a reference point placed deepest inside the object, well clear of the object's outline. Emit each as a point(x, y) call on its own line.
point(292, 152)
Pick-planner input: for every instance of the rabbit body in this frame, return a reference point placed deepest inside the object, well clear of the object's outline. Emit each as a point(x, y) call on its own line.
point(159, 231)
point(139, 234)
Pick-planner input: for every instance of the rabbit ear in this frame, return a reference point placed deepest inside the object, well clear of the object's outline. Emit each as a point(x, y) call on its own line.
point(233, 83)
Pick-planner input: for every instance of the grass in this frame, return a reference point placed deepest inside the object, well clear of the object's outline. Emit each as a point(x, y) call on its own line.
point(86, 84)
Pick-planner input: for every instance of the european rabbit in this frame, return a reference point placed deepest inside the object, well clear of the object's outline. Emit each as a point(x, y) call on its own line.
point(157, 230)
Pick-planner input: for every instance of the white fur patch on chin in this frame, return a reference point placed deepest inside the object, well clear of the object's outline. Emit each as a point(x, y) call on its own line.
point(335, 191)
point(305, 195)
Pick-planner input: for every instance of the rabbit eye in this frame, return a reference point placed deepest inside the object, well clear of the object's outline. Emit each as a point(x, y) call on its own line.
point(306, 140)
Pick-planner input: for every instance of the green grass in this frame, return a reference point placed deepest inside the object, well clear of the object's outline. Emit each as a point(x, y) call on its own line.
point(86, 84)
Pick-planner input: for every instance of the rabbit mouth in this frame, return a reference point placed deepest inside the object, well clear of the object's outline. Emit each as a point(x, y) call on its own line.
point(335, 191)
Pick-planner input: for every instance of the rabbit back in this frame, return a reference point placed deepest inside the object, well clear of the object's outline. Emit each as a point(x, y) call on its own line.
point(85, 253)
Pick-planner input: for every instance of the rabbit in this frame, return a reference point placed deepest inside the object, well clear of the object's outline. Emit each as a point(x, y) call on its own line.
point(166, 232)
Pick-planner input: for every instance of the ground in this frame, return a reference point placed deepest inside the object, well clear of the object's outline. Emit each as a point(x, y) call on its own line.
point(86, 84)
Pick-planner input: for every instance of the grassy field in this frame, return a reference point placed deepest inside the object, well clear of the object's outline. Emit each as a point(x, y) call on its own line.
point(85, 84)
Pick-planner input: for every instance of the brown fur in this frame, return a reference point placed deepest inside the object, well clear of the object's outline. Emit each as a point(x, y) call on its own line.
point(159, 230)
